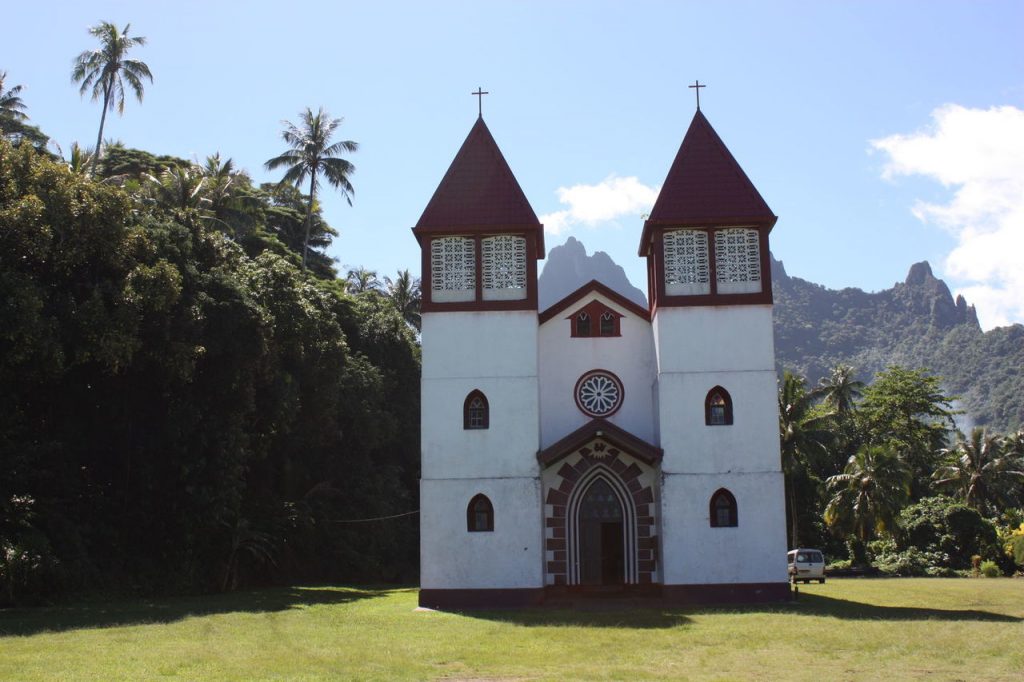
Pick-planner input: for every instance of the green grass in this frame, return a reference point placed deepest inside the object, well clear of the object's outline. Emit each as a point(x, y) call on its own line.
point(956, 629)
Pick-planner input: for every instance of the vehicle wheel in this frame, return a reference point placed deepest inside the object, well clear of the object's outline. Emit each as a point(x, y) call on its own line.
point(821, 581)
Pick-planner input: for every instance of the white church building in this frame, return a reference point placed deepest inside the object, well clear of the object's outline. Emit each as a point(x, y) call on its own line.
point(596, 445)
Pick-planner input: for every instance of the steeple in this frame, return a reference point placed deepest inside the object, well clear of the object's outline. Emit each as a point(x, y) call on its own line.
point(480, 193)
point(479, 237)
point(706, 186)
point(706, 240)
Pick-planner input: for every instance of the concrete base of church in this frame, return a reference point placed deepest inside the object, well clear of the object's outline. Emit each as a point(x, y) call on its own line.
point(644, 595)
point(458, 600)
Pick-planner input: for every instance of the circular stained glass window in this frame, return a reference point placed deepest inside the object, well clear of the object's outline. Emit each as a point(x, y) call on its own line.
point(599, 393)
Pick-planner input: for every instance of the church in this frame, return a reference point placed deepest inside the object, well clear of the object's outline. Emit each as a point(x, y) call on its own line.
point(598, 446)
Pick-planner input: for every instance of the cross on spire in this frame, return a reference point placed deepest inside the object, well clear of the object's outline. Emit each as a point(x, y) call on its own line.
point(697, 86)
point(480, 92)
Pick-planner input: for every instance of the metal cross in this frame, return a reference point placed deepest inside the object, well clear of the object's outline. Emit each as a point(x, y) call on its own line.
point(696, 85)
point(480, 99)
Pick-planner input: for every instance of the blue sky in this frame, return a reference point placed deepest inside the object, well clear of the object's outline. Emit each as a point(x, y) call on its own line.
point(880, 133)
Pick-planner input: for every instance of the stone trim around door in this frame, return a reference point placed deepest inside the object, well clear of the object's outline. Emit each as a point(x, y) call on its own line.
point(632, 481)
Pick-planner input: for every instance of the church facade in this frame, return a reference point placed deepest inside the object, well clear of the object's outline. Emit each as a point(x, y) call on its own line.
point(598, 445)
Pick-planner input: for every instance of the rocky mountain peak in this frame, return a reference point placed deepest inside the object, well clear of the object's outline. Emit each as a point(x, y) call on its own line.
point(568, 267)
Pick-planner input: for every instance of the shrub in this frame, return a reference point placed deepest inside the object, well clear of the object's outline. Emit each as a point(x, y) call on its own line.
point(990, 569)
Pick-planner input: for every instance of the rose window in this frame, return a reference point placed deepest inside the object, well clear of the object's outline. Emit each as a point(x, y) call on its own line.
point(599, 393)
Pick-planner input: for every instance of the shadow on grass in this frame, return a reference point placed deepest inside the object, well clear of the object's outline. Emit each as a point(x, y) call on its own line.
point(642, 618)
point(819, 605)
point(650, 614)
point(105, 614)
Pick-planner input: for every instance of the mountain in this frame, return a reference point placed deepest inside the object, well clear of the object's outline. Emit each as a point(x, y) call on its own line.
point(916, 323)
point(568, 267)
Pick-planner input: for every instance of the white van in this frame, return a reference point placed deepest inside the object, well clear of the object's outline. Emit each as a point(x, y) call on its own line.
point(806, 565)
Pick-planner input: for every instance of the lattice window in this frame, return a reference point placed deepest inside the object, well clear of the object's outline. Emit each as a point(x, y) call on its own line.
point(452, 269)
point(504, 265)
point(607, 324)
point(687, 269)
point(737, 261)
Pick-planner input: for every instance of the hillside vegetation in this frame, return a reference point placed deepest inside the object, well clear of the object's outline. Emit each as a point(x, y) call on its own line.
point(916, 323)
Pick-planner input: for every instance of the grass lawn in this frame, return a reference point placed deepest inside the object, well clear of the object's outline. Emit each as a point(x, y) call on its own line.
point(895, 629)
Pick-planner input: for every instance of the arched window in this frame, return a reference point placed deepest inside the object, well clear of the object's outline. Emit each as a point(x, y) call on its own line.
point(583, 324)
point(480, 515)
point(723, 509)
point(718, 407)
point(476, 414)
point(607, 324)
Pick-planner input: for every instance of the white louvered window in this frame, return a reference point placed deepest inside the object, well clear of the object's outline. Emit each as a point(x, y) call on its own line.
point(504, 265)
point(687, 272)
point(737, 261)
point(452, 269)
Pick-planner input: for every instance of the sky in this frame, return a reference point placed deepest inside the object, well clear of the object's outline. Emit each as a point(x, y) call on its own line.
point(881, 133)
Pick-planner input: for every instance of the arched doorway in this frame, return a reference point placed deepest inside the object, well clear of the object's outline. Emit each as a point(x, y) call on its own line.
point(601, 536)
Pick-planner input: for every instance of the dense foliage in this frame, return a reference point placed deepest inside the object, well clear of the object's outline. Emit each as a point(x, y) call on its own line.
point(879, 477)
point(917, 323)
point(181, 407)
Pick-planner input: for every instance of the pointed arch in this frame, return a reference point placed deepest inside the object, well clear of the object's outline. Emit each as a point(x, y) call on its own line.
point(480, 515)
point(723, 509)
point(629, 530)
point(476, 412)
point(718, 407)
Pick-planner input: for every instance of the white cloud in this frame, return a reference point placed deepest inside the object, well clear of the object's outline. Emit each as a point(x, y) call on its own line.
point(591, 205)
point(979, 155)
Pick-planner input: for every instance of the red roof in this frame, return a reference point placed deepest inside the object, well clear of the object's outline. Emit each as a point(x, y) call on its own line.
point(593, 287)
point(605, 430)
point(480, 193)
point(705, 186)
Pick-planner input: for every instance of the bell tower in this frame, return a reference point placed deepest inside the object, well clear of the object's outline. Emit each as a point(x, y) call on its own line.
point(481, 531)
point(709, 284)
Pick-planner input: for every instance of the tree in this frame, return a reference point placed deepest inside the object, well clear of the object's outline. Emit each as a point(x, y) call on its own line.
point(982, 470)
point(869, 494)
point(311, 155)
point(105, 71)
point(839, 390)
point(803, 437)
point(404, 292)
point(11, 106)
point(360, 281)
point(908, 409)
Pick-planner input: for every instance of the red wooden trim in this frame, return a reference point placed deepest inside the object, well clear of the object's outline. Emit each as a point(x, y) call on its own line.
point(728, 406)
point(616, 436)
point(427, 305)
point(656, 282)
point(534, 233)
point(471, 515)
point(593, 287)
point(723, 493)
point(595, 310)
point(476, 393)
point(587, 375)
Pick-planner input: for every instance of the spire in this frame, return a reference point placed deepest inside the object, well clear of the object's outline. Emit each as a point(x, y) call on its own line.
point(479, 192)
point(706, 186)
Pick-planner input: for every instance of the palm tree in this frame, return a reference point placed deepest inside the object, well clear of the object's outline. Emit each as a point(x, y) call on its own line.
point(312, 154)
point(840, 390)
point(404, 292)
point(179, 188)
point(80, 159)
point(803, 437)
point(869, 494)
point(360, 281)
point(11, 106)
point(105, 71)
point(983, 470)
